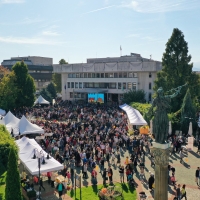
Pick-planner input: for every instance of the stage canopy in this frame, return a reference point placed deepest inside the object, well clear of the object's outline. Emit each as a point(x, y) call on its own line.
point(134, 116)
point(2, 112)
point(27, 149)
point(41, 100)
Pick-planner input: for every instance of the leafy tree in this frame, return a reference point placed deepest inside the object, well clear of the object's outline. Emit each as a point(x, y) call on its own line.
point(134, 96)
point(57, 77)
point(8, 92)
point(177, 69)
point(3, 71)
point(187, 112)
point(46, 95)
point(51, 89)
point(24, 84)
point(13, 186)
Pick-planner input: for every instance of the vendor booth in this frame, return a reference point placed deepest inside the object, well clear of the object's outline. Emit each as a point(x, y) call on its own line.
point(40, 100)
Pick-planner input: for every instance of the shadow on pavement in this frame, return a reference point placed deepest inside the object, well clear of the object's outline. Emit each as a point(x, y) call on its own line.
point(194, 154)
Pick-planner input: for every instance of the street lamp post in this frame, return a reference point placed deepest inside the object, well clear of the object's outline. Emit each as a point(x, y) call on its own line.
point(39, 155)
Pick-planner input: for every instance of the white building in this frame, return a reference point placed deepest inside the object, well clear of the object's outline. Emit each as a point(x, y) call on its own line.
point(111, 76)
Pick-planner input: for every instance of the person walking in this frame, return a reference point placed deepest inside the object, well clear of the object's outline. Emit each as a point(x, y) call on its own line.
point(60, 187)
point(110, 174)
point(178, 192)
point(104, 176)
point(181, 155)
point(121, 173)
point(183, 192)
point(49, 177)
point(151, 182)
point(197, 176)
point(41, 184)
point(84, 170)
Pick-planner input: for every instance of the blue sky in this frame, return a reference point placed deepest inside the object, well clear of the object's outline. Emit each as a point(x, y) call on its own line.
point(79, 29)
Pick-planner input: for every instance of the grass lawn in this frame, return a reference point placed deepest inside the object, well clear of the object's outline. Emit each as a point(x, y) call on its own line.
point(2, 185)
point(91, 192)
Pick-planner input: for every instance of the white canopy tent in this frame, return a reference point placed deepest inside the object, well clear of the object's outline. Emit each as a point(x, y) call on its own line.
point(2, 112)
point(41, 100)
point(26, 127)
point(11, 122)
point(134, 115)
point(27, 149)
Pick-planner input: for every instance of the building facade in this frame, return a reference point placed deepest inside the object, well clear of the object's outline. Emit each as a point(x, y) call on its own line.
point(40, 68)
point(110, 76)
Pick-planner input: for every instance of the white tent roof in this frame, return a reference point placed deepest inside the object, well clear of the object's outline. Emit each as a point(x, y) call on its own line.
point(26, 127)
point(26, 152)
point(11, 122)
point(41, 100)
point(134, 115)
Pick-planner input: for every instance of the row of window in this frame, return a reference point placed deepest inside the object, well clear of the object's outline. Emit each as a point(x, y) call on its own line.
point(103, 75)
point(122, 86)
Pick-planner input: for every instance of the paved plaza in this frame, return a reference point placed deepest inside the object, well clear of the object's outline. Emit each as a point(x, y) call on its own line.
point(185, 174)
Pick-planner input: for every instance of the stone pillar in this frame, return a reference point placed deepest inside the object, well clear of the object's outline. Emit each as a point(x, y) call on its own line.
point(161, 156)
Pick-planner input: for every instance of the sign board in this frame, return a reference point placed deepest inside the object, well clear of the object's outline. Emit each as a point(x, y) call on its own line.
point(190, 143)
point(77, 181)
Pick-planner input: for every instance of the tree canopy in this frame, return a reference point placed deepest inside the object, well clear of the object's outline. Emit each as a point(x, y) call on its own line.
point(24, 84)
point(51, 89)
point(177, 69)
point(46, 95)
point(134, 96)
point(13, 185)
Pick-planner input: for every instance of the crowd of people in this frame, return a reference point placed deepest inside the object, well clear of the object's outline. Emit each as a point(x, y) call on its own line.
point(88, 136)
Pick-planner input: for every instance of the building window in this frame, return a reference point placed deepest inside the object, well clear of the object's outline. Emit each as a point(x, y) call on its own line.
point(81, 75)
point(110, 75)
point(102, 75)
point(149, 86)
point(82, 95)
point(115, 75)
point(71, 95)
point(72, 84)
point(80, 85)
point(73, 75)
point(134, 74)
point(83, 85)
point(106, 75)
point(89, 75)
point(97, 75)
point(129, 86)
point(76, 85)
point(150, 75)
point(134, 86)
point(120, 74)
point(121, 96)
point(68, 84)
point(78, 95)
point(124, 86)
point(119, 85)
point(102, 85)
point(69, 75)
point(149, 97)
point(130, 74)
point(112, 85)
point(90, 85)
point(77, 75)
point(124, 74)
point(85, 75)
point(96, 85)
point(93, 75)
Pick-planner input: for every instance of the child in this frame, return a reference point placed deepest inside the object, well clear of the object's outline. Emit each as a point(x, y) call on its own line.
point(68, 176)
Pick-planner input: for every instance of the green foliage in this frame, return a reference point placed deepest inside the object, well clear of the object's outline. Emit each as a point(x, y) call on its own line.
point(6, 143)
point(177, 69)
point(24, 84)
point(141, 107)
point(8, 92)
point(31, 194)
point(46, 95)
point(63, 61)
point(187, 112)
point(56, 78)
point(52, 90)
point(134, 96)
point(13, 186)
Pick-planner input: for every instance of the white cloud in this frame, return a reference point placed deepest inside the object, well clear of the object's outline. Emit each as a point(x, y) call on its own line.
point(156, 6)
point(104, 8)
point(28, 40)
point(50, 33)
point(11, 1)
point(28, 20)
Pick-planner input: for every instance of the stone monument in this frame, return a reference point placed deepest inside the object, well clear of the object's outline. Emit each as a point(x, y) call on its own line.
point(161, 148)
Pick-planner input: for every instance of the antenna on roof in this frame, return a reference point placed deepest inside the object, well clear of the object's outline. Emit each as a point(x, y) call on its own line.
point(150, 56)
